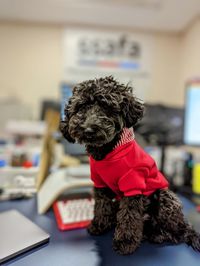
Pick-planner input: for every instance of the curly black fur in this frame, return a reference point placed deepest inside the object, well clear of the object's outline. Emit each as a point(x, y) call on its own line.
point(97, 112)
point(95, 115)
point(104, 212)
point(100, 152)
point(129, 230)
point(167, 222)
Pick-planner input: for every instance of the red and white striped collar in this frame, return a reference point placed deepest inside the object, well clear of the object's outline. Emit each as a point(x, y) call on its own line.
point(127, 136)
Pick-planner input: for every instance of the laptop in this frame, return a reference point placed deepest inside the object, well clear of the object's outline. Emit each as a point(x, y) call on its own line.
point(18, 234)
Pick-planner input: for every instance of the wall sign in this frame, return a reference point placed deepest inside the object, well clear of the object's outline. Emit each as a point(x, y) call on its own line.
point(88, 54)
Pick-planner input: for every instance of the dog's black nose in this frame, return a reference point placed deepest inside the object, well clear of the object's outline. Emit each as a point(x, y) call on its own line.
point(89, 130)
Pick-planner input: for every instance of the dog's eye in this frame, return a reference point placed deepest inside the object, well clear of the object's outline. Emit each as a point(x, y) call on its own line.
point(79, 107)
point(102, 101)
point(101, 98)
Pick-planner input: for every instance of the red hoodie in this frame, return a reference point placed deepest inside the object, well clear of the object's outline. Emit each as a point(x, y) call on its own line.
point(128, 170)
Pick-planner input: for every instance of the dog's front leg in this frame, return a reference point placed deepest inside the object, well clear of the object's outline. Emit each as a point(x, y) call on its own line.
point(105, 210)
point(129, 230)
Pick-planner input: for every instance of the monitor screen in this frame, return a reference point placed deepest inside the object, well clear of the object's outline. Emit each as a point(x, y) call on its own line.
point(70, 148)
point(162, 125)
point(66, 93)
point(192, 115)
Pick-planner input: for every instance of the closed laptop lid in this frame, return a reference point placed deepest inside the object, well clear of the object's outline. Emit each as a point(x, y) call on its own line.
point(18, 234)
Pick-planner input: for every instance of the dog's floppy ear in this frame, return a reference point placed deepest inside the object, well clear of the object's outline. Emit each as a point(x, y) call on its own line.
point(132, 110)
point(64, 125)
point(64, 130)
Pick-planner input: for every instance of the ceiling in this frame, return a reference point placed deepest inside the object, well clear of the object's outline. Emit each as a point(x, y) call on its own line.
point(162, 15)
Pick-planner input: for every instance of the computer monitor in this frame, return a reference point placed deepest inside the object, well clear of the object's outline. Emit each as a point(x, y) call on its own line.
point(162, 125)
point(192, 115)
point(73, 149)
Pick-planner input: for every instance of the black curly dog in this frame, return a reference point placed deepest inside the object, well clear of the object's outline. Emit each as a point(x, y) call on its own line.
point(96, 114)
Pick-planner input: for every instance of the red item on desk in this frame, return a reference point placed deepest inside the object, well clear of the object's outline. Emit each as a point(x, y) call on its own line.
point(27, 164)
point(73, 214)
point(198, 208)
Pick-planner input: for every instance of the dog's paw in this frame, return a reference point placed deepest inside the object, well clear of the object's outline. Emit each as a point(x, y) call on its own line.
point(124, 247)
point(157, 239)
point(93, 229)
point(97, 228)
point(195, 243)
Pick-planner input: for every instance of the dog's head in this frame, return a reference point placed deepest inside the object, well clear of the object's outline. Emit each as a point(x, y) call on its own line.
point(98, 110)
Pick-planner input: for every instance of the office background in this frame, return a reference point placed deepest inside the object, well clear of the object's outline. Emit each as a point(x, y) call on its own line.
point(33, 62)
point(31, 59)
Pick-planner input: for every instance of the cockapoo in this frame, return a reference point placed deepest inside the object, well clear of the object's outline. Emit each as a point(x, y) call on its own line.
point(130, 192)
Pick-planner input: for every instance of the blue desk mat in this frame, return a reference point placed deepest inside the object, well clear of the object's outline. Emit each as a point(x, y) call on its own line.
point(76, 247)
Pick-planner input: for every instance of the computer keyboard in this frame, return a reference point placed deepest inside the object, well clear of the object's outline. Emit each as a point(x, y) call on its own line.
point(73, 214)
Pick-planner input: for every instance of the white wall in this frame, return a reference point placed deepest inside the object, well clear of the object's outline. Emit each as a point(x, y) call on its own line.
point(190, 53)
point(31, 63)
point(166, 71)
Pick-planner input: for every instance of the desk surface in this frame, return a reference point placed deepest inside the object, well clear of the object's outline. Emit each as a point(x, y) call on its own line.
point(76, 248)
